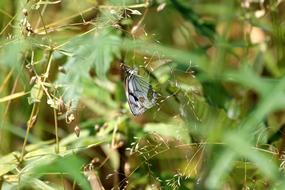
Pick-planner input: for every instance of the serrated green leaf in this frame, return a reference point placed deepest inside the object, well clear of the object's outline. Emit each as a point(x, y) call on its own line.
point(89, 51)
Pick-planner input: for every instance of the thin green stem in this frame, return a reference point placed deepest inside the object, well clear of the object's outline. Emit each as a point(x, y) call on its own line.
point(48, 66)
point(35, 108)
point(42, 19)
point(30, 123)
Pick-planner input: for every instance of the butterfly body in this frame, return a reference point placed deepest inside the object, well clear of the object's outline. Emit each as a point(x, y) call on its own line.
point(139, 92)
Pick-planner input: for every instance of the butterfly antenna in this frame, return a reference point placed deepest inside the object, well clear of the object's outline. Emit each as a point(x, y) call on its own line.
point(123, 66)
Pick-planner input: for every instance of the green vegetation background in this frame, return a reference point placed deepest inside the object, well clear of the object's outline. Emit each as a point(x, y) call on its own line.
point(218, 67)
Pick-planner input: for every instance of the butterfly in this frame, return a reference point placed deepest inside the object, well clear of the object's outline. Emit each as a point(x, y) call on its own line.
point(139, 92)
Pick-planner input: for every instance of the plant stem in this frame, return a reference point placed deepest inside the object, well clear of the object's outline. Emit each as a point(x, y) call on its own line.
point(35, 108)
point(30, 123)
point(56, 131)
point(1, 182)
point(136, 6)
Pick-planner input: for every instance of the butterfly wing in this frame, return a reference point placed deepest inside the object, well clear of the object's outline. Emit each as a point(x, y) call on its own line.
point(140, 94)
point(147, 97)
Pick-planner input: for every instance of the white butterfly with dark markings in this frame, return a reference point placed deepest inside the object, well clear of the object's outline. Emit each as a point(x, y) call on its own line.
point(139, 92)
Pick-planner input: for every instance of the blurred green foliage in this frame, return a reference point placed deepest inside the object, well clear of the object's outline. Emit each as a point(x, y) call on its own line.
point(218, 67)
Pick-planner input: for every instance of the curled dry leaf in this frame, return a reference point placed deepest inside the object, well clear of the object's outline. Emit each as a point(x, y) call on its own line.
point(33, 80)
point(61, 69)
point(161, 7)
point(70, 118)
point(25, 12)
point(77, 131)
point(135, 29)
point(134, 12)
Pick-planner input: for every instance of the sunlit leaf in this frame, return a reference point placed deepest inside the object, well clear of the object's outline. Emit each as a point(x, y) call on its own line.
point(177, 131)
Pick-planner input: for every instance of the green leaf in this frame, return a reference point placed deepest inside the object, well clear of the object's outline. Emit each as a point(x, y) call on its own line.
point(36, 94)
point(238, 143)
point(11, 52)
point(89, 51)
point(177, 131)
point(8, 163)
point(105, 50)
point(38, 184)
point(221, 167)
point(201, 26)
point(54, 163)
